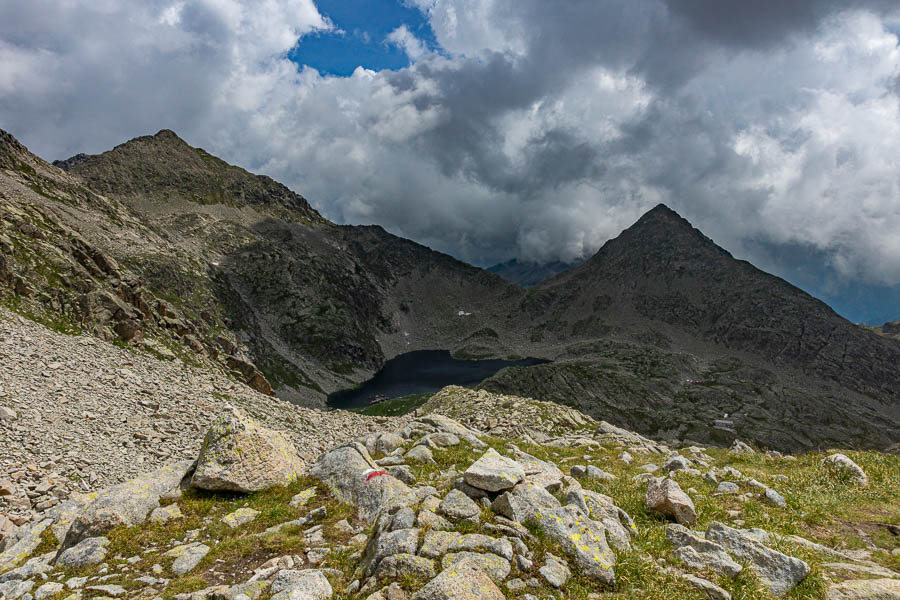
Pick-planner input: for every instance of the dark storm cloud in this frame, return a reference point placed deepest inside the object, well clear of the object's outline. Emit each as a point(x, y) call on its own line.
point(539, 130)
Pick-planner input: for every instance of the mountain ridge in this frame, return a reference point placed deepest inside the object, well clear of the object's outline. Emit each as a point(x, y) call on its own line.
point(661, 330)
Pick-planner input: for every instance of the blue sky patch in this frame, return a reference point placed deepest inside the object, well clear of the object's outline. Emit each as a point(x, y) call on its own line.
point(365, 25)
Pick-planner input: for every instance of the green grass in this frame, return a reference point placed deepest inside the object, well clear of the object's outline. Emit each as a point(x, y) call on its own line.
point(394, 407)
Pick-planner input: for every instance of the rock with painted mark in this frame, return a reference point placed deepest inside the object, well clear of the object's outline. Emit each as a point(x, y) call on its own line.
point(355, 478)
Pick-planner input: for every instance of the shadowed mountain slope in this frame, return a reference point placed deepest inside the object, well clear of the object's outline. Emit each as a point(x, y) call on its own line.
point(661, 330)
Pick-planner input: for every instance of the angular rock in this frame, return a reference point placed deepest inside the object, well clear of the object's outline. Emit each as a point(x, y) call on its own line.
point(355, 478)
point(665, 497)
point(618, 524)
point(582, 539)
point(89, 551)
point(739, 447)
point(462, 581)
point(420, 454)
point(676, 463)
point(842, 464)
point(775, 498)
point(308, 584)
point(48, 589)
point(187, 556)
point(712, 591)
point(241, 456)
point(456, 506)
point(524, 501)
point(539, 472)
point(402, 541)
point(699, 553)
point(492, 565)
point(494, 472)
point(778, 572)
point(728, 487)
point(388, 442)
point(16, 554)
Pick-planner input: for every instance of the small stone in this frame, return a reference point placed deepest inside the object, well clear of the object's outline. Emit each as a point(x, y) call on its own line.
point(240, 517)
point(89, 551)
point(420, 454)
point(492, 565)
point(712, 591)
point(727, 487)
point(164, 514)
point(555, 571)
point(739, 447)
point(187, 556)
point(775, 498)
point(300, 499)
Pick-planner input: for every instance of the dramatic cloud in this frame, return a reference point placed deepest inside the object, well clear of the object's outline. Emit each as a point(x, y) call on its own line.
point(536, 129)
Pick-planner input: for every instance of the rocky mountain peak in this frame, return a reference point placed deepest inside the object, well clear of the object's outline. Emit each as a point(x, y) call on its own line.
point(164, 167)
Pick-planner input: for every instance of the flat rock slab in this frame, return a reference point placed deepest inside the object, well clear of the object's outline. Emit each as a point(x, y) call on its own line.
point(778, 572)
point(494, 472)
point(865, 589)
point(240, 517)
point(307, 584)
point(438, 543)
point(462, 581)
point(699, 553)
point(126, 504)
point(582, 539)
point(187, 556)
point(240, 455)
point(89, 551)
point(493, 566)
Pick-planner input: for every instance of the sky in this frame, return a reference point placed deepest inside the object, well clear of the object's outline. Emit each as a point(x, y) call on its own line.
point(492, 129)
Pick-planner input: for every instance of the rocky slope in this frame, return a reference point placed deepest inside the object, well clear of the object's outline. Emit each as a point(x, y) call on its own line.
point(171, 250)
point(890, 329)
point(430, 508)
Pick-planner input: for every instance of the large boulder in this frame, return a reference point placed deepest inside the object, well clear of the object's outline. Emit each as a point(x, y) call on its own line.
point(126, 504)
point(664, 496)
point(241, 456)
point(582, 539)
point(778, 572)
point(355, 478)
point(494, 472)
point(462, 581)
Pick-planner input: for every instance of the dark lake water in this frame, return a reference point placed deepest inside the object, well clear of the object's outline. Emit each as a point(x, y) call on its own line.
point(421, 372)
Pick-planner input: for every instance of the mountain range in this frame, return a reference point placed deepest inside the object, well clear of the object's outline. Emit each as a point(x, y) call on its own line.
point(172, 251)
